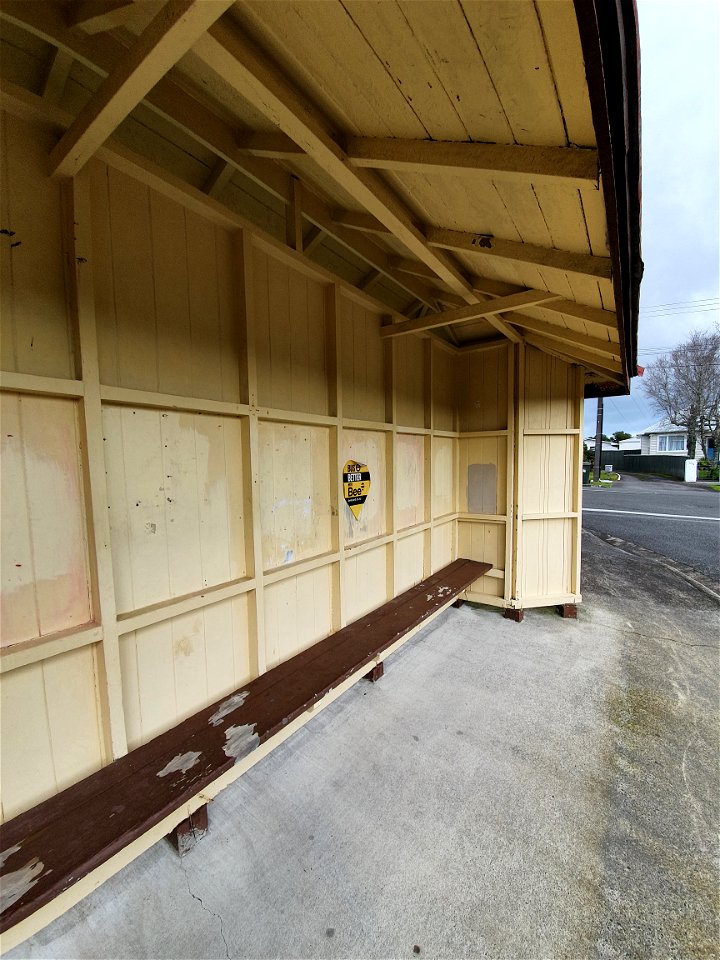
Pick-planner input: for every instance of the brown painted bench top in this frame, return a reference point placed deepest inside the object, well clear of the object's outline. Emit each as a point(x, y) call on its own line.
point(51, 846)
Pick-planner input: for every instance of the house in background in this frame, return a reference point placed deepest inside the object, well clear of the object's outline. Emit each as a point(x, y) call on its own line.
point(631, 445)
point(666, 438)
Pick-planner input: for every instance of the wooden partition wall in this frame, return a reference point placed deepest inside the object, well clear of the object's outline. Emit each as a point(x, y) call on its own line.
point(180, 393)
point(179, 396)
point(520, 475)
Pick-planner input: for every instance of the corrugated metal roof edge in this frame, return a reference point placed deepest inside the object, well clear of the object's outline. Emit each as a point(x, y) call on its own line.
point(610, 43)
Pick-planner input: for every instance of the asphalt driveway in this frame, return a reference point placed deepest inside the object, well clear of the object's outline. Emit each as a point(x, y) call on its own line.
point(675, 520)
point(543, 789)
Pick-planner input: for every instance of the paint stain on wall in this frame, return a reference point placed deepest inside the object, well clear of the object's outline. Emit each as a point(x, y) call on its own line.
point(482, 488)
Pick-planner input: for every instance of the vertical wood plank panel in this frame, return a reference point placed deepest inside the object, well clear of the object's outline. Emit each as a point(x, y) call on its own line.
point(370, 447)
point(46, 580)
point(26, 758)
point(443, 545)
point(73, 720)
point(409, 382)
point(445, 389)
point(482, 381)
point(409, 480)
point(36, 328)
point(176, 518)
point(294, 492)
point(409, 556)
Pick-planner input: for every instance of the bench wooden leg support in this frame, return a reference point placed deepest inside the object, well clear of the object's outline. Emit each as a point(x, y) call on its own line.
point(515, 615)
point(376, 673)
point(567, 610)
point(186, 834)
point(458, 603)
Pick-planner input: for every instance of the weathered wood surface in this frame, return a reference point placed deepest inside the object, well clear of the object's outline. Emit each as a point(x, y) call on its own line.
point(50, 847)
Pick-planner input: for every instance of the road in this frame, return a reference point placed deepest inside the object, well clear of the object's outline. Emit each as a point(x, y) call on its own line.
point(687, 530)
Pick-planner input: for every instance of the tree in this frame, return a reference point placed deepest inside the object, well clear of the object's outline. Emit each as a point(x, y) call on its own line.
point(620, 435)
point(684, 385)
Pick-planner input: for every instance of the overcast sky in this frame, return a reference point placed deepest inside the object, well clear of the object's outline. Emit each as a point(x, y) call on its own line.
point(680, 77)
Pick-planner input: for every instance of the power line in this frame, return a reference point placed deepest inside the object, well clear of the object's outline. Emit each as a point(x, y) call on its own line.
point(681, 303)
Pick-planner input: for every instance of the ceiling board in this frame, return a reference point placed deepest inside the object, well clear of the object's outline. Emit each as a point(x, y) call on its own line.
point(512, 46)
point(562, 42)
point(323, 51)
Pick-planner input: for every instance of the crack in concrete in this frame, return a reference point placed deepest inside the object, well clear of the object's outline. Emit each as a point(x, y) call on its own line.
point(206, 909)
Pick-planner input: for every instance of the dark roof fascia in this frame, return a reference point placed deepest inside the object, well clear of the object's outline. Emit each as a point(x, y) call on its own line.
point(609, 37)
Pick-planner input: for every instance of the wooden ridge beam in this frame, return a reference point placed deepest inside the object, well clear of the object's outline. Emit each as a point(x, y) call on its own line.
point(481, 311)
point(234, 58)
point(574, 166)
point(583, 263)
point(169, 35)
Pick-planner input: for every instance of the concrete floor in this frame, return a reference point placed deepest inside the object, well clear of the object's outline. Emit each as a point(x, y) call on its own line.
point(544, 789)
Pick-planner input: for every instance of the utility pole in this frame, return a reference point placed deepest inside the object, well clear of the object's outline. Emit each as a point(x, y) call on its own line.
point(598, 440)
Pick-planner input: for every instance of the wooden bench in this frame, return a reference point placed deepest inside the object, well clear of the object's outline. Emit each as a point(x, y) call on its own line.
point(51, 847)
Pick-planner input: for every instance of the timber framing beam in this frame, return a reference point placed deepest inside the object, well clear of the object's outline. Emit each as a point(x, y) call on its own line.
point(175, 104)
point(562, 334)
point(96, 16)
point(355, 220)
point(480, 311)
point(250, 153)
point(231, 55)
point(237, 61)
point(169, 35)
point(275, 146)
point(607, 367)
point(570, 308)
point(582, 263)
point(575, 166)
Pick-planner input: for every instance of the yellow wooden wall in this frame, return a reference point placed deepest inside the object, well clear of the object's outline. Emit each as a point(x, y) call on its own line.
point(520, 475)
point(179, 396)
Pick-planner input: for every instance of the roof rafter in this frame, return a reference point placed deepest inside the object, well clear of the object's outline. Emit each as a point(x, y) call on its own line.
point(582, 263)
point(480, 311)
point(238, 62)
point(364, 222)
point(95, 16)
point(591, 315)
point(275, 146)
point(169, 35)
point(606, 367)
point(174, 103)
point(575, 166)
point(554, 332)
